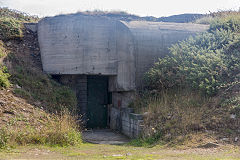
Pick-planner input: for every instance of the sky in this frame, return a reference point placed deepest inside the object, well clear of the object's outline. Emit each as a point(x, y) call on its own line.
point(157, 8)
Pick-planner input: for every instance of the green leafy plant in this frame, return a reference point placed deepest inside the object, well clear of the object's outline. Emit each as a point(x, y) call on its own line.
point(10, 28)
point(21, 16)
point(3, 138)
point(204, 62)
point(4, 77)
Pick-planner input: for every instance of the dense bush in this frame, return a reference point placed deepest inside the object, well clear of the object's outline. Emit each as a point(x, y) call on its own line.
point(206, 62)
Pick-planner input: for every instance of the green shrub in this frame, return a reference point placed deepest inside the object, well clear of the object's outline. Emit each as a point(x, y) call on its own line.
point(10, 29)
point(11, 23)
point(233, 103)
point(229, 22)
point(3, 138)
point(21, 92)
point(3, 51)
point(20, 16)
point(205, 20)
point(205, 62)
point(72, 137)
point(4, 76)
point(37, 86)
point(219, 18)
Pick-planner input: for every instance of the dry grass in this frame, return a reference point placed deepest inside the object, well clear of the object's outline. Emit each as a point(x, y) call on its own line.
point(60, 130)
point(178, 117)
point(172, 114)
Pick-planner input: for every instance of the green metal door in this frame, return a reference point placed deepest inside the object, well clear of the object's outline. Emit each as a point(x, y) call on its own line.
point(97, 101)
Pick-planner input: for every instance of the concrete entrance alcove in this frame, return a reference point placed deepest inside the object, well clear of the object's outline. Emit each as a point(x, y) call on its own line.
point(93, 98)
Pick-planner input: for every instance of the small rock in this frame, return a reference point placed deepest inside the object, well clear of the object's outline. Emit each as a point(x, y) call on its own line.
point(9, 44)
point(233, 116)
point(169, 117)
point(225, 139)
point(145, 113)
point(18, 87)
point(117, 155)
point(2, 103)
point(129, 154)
point(38, 104)
point(236, 139)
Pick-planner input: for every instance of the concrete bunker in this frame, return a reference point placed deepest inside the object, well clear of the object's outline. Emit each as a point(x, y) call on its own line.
point(88, 51)
point(104, 60)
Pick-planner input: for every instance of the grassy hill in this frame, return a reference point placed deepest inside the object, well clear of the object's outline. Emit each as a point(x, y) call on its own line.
point(124, 16)
point(34, 108)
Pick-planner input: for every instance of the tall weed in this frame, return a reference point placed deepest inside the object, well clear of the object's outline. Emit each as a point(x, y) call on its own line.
point(56, 130)
point(175, 113)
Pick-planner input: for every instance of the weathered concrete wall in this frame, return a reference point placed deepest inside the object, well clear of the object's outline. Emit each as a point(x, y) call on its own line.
point(122, 99)
point(131, 123)
point(152, 40)
point(115, 118)
point(91, 45)
point(124, 120)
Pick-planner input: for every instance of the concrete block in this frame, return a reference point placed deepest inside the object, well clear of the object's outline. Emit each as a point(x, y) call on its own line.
point(136, 116)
